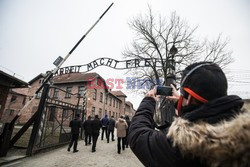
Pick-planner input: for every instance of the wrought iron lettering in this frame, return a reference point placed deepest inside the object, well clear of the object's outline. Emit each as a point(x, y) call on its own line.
point(112, 63)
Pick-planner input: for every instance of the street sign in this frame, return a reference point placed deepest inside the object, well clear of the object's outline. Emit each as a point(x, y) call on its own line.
point(58, 61)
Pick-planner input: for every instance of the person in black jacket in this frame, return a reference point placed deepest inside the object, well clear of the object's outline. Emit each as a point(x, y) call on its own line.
point(87, 130)
point(211, 128)
point(111, 128)
point(105, 126)
point(75, 125)
point(128, 123)
point(95, 128)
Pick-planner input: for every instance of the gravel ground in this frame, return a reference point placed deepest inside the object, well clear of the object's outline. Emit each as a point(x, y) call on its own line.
point(105, 156)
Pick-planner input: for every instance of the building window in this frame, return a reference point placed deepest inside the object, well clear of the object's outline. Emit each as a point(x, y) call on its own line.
point(81, 90)
point(114, 102)
point(9, 112)
point(52, 114)
point(106, 99)
point(101, 97)
point(68, 92)
point(94, 94)
point(93, 112)
point(109, 113)
point(12, 112)
point(56, 93)
point(106, 113)
point(100, 112)
point(110, 101)
point(13, 98)
point(24, 100)
point(39, 94)
point(117, 102)
point(65, 113)
point(116, 115)
point(119, 105)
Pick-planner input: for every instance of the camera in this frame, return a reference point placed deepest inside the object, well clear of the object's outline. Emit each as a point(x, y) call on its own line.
point(164, 90)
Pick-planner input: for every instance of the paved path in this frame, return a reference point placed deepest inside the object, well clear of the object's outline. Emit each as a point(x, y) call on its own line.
point(105, 156)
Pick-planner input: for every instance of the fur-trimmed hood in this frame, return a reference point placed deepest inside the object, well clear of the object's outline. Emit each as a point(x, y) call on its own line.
point(223, 144)
point(121, 120)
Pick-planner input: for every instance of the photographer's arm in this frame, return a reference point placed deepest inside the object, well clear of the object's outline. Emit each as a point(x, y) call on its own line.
point(150, 146)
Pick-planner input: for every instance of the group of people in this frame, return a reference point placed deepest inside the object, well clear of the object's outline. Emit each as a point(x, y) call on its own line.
point(210, 127)
point(92, 130)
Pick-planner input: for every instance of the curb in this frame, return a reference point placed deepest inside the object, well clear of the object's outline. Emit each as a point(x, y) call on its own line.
point(8, 160)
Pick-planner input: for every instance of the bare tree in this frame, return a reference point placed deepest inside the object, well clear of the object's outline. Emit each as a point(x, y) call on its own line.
point(155, 37)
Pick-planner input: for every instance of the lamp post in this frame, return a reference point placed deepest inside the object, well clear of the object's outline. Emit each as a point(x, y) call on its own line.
point(171, 79)
point(167, 107)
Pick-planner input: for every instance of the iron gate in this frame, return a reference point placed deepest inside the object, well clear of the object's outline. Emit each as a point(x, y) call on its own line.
point(55, 118)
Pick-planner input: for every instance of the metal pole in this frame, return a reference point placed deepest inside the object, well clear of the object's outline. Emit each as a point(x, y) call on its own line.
point(167, 107)
point(77, 110)
point(38, 120)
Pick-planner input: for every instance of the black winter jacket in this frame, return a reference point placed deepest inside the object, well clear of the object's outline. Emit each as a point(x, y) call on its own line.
point(95, 126)
point(111, 124)
point(196, 138)
point(75, 124)
point(87, 126)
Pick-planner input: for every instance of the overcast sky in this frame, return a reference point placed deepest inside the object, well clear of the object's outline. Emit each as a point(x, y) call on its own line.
point(33, 33)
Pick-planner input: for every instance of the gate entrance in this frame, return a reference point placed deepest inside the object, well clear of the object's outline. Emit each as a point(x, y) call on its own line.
point(54, 127)
point(49, 125)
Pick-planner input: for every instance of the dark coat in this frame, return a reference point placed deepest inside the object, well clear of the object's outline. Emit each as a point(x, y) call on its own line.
point(87, 126)
point(128, 123)
point(105, 121)
point(202, 137)
point(111, 124)
point(95, 126)
point(75, 124)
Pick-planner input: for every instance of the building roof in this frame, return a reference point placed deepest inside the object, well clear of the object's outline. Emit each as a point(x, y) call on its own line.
point(75, 77)
point(129, 103)
point(16, 93)
point(110, 93)
point(118, 93)
point(11, 81)
point(36, 78)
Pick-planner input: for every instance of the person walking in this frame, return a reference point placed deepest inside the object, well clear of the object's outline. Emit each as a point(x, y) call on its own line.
point(87, 130)
point(121, 127)
point(111, 127)
point(95, 129)
point(105, 126)
point(128, 123)
point(75, 125)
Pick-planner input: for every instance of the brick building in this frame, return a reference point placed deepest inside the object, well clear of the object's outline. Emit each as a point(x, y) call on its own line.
point(100, 100)
point(66, 88)
point(129, 109)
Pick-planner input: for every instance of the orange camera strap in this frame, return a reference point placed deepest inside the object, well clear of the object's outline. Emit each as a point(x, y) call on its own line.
point(179, 105)
point(195, 95)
